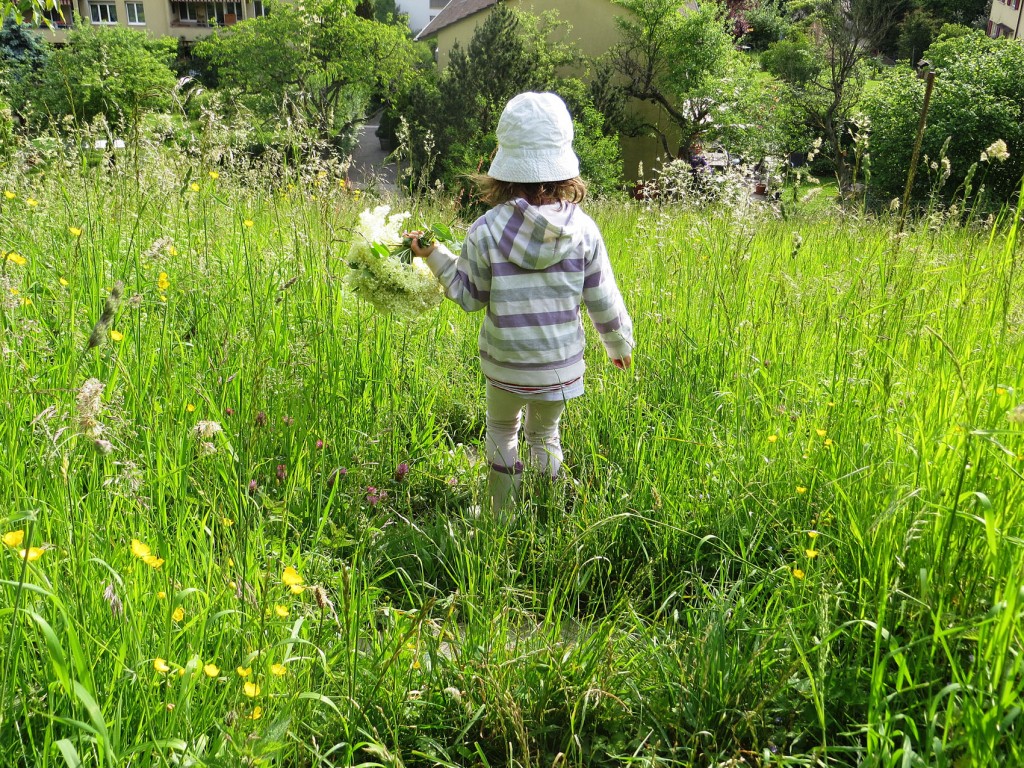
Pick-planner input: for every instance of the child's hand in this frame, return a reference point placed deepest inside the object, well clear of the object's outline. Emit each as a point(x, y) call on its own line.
point(414, 244)
point(623, 363)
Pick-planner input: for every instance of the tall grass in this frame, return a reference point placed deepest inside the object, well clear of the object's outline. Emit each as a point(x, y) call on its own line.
point(790, 535)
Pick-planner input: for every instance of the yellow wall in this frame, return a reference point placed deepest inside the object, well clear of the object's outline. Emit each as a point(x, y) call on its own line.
point(592, 21)
point(594, 31)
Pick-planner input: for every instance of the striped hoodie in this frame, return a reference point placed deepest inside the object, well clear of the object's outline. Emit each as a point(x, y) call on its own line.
point(531, 267)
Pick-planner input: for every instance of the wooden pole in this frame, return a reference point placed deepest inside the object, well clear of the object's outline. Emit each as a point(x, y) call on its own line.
point(916, 156)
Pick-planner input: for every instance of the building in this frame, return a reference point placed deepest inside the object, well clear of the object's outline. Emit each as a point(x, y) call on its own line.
point(420, 12)
point(1005, 18)
point(593, 30)
point(593, 22)
point(187, 20)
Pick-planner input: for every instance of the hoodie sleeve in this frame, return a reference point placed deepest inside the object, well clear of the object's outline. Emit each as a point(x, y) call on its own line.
point(466, 279)
point(604, 304)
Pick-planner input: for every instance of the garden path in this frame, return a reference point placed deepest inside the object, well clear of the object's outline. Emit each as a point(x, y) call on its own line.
point(370, 167)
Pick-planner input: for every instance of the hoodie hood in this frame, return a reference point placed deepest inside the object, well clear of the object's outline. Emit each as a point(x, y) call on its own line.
point(537, 237)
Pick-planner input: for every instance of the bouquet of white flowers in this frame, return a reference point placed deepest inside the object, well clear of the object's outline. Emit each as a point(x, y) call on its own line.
point(381, 267)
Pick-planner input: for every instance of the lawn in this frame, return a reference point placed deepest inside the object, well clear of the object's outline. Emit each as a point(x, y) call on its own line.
point(791, 534)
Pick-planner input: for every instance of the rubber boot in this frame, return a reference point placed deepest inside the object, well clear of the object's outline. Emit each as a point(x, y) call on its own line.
point(503, 486)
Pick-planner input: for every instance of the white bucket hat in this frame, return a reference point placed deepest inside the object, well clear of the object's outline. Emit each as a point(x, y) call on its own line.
point(535, 141)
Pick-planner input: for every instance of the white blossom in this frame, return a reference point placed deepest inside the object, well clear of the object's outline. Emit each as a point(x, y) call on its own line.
point(390, 284)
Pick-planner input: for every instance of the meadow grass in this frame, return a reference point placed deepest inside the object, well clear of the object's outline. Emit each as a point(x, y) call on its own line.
point(790, 535)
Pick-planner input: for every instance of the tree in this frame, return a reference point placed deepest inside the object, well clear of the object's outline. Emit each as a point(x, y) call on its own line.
point(321, 63)
point(823, 68)
point(22, 56)
point(111, 71)
point(957, 11)
point(917, 30)
point(671, 57)
point(452, 120)
point(978, 100)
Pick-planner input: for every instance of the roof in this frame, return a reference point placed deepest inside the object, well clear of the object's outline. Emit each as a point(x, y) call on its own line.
point(456, 10)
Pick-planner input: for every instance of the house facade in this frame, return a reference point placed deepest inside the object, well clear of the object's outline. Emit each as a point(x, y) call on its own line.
point(1004, 19)
point(593, 30)
point(420, 12)
point(187, 20)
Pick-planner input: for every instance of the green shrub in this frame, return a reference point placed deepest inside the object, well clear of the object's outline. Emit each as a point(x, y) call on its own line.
point(977, 100)
point(77, 79)
point(767, 25)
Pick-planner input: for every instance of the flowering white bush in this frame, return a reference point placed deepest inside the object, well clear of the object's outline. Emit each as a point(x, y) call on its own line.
point(380, 275)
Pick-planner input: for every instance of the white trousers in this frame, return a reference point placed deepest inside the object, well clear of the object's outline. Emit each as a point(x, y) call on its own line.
point(504, 415)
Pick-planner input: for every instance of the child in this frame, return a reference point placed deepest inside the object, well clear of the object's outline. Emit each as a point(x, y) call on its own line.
point(530, 261)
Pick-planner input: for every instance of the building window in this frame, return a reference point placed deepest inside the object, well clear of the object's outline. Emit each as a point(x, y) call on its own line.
point(435, 4)
point(224, 13)
point(103, 13)
point(187, 12)
point(55, 16)
point(135, 12)
point(259, 9)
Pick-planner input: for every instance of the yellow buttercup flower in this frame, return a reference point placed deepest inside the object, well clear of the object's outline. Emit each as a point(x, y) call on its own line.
point(797, 573)
point(821, 432)
point(14, 538)
point(17, 258)
point(257, 713)
point(281, 610)
point(248, 223)
point(291, 577)
point(31, 203)
point(194, 187)
point(153, 561)
point(179, 614)
point(161, 666)
point(116, 335)
point(64, 282)
point(801, 489)
point(1000, 390)
point(190, 408)
point(773, 438)
point(26, 302)
point(227, 522)
point(278, 670)
point(811, 553)
point(243, 671)
point(812, 534)
point(75, 231)
point(172, 251)
point(140, 550)
point(252, 690)
point(31, 554)
point(9, 195)
point(214, 175)
point(211, 670)
point(163, 282)
point(161, 595)
point(296, 589)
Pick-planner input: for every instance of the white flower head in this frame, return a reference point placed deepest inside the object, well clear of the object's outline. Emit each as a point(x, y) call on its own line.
point(391, 285)
point(1016, 415)
point(207, 429)
point(996, 151)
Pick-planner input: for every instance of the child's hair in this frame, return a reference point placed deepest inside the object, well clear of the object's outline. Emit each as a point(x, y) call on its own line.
point(494, 192)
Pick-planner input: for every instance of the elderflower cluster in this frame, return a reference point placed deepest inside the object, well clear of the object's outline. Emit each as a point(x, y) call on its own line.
point(996, 151)
point(390, 284)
